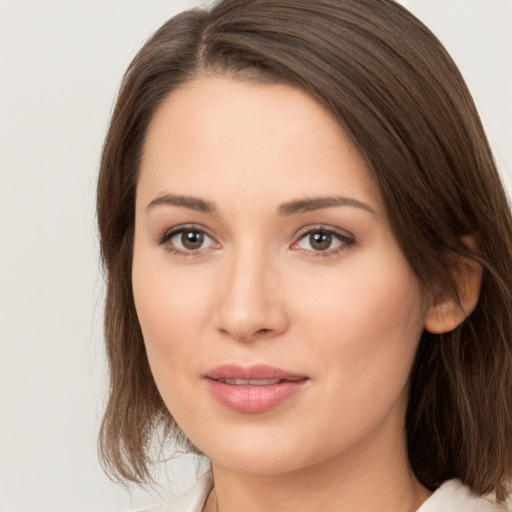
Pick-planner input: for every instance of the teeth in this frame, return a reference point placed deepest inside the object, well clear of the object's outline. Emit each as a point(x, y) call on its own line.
point(250, 382)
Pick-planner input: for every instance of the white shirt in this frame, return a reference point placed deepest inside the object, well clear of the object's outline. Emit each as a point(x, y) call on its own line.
point(452, 496)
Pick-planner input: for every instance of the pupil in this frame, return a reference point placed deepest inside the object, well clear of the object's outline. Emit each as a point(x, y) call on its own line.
point(320, 241)
point(192, 239)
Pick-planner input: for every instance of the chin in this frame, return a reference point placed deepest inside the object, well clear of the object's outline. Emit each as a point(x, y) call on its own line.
point(257, 450)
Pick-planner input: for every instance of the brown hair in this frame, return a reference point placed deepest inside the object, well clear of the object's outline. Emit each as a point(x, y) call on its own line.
point(400, 97)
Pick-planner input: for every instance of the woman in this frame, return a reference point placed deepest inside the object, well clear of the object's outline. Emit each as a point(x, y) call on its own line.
point(308, 259)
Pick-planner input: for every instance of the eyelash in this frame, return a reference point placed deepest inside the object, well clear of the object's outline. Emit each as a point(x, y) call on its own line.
point(346, 240)
point(169, 234)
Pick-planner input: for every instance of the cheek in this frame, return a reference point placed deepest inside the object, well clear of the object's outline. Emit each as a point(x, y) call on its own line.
point(368, 320)
point(171, 318)
point(172, 308)
point(168, 298)
point(365, 300)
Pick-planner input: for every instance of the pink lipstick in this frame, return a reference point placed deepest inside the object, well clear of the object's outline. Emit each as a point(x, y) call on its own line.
point(253, 389)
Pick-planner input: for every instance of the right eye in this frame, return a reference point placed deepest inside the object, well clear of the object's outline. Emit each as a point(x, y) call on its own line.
point(187, 240)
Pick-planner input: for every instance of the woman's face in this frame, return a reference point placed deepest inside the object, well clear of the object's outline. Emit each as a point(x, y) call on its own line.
point(279, 314)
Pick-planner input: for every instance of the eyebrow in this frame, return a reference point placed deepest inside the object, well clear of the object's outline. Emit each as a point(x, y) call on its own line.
point(286, 209)
point(193, 203)
point(317, 203)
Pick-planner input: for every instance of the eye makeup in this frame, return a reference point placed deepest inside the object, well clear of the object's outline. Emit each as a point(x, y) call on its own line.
point(323, 241)
point(190, 240)
point(187, 240)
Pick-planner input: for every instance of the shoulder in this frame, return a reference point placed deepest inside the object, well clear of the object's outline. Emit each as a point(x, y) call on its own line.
point(192, 500)
point(453, 496)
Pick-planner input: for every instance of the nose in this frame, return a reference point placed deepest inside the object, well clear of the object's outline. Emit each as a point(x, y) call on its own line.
point(251, 305)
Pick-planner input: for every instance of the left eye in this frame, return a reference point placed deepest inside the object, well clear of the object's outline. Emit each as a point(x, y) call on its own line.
point(189, 239)
point(320, 240)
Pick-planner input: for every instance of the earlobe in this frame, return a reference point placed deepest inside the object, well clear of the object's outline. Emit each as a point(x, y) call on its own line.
point(444, 316)
point(448, 313)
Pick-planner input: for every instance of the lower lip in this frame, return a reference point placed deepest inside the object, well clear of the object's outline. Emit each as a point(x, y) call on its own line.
point(254, 399)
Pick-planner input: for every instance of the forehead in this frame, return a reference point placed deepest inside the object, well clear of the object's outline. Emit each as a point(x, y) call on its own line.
point(216, 134)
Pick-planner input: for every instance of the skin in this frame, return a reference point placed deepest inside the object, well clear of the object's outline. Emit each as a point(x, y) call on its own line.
point(258, 291)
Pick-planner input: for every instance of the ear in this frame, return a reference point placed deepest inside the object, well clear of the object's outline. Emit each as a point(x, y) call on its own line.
point(446, 313)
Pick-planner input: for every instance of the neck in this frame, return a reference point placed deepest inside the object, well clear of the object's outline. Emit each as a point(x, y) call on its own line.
point(373, 476)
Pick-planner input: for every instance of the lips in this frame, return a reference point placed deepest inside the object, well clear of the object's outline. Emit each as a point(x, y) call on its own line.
point(253, 389)
point(250, 382)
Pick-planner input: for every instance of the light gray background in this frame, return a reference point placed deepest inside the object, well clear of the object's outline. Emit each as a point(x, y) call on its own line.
point(60, 66)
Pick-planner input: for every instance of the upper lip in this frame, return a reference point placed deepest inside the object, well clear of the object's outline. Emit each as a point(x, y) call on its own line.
point(254, 372)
